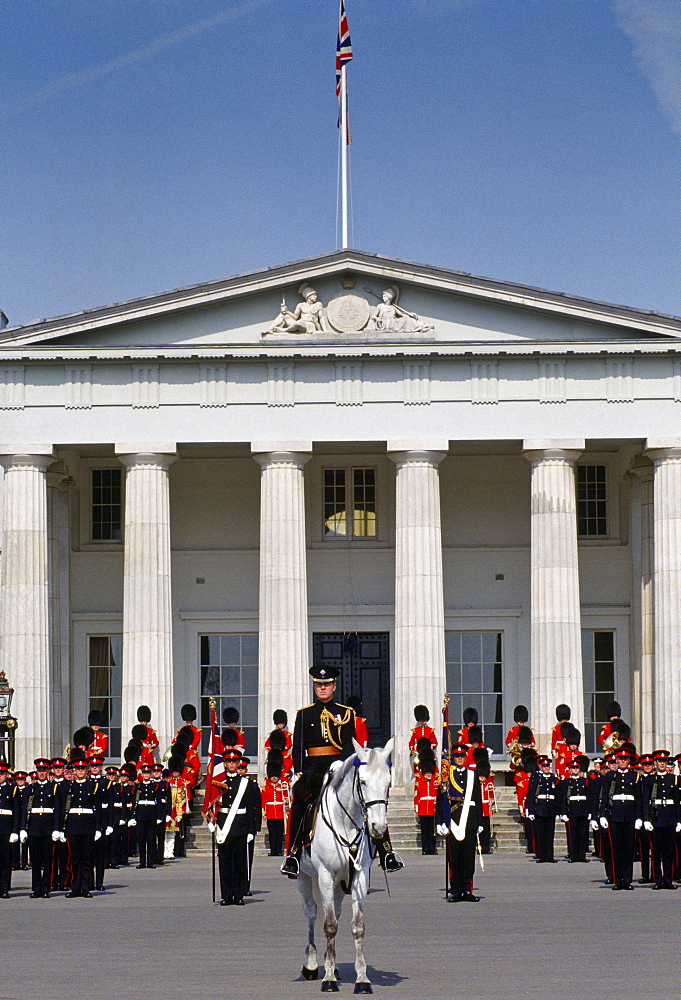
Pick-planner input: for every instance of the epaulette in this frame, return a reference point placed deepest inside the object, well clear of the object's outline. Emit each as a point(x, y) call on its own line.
point(307, 706)
point(346, 707)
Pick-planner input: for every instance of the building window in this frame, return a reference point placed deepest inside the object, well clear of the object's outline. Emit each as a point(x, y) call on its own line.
point(229, 673)
point(106, 505)
point(474, 679)
point(591, 500)
point(598, 669)
point(106, 675)
point(350, 503)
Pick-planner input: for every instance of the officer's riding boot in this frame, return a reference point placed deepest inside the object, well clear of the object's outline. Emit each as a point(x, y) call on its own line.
point(291, 865)
point(387, 859)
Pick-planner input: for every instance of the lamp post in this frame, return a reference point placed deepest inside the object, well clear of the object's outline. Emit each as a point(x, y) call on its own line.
point(8, 723)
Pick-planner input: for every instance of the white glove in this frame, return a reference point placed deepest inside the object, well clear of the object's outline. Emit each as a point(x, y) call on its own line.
point(638, 824)
point(14, 837)
point(121, 822)
point(480, 829)
point(211, 827)
point(648, 826)
point(594, 824)
point(563, 818)
point(604, 823)
point(109, 831)
point(530, 817)
point(442, 829)
point(98, 835)
point(56, 835)
point(678, 827)
point(249, 838)
point(159, 820)
point(169, 819)
point(62, 837)
point(23, 836)
point(132, 822)
point(334, 767)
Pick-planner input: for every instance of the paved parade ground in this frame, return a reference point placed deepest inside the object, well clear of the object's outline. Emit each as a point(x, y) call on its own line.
point(542, 932)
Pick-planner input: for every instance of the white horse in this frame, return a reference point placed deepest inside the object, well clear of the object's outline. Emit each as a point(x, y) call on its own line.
point(353, 807)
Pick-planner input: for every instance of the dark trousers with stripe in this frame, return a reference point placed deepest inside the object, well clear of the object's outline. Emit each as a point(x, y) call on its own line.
point(662, 841)
point(461, 860)
point(5, 863)
point(544, 833)
point(275, 830)
point(81, 846)
point(146, 840)
point(41, 863)
point(621, 836)
point(427, 824)
point(578, 837)
point(232, 861)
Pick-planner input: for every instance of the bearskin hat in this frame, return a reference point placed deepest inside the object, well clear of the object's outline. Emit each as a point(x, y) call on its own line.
point(144, 714)
point(421, 714)
point(563, 713)
point(483, 768)
point(475, 734)
point(83, 737)
point(573, 736)
point(525, 734)
point(277, 740)
point(94, 718)
point(520, 714)
point(275, 763)
point(188, 713)
point(613, 708)
point(470, 715)
point(279, 717)
point(139, 732)
point(231, 715)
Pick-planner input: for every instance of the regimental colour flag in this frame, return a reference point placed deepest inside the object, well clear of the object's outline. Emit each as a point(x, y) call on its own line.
point(215, 771)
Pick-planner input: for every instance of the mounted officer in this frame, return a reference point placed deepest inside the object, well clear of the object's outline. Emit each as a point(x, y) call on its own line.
point(322, 739)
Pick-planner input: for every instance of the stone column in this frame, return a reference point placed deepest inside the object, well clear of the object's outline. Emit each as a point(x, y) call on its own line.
point(419, 659)
point(641, 478)
point(283, 659)
point(556, 640)
point(59, 553)
point(666, 457)
point(25, 597)
point(147, 612)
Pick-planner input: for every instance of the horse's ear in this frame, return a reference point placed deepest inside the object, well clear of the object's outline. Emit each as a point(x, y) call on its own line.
point(361, 752)
point(388, 748)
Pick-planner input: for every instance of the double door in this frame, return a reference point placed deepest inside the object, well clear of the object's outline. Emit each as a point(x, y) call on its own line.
point(364, 661)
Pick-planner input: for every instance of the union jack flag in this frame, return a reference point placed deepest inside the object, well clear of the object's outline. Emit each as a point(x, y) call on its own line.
point(215, 771)
point(343, 46)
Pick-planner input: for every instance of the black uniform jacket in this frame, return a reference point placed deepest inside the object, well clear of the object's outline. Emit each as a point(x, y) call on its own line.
point(323, 724)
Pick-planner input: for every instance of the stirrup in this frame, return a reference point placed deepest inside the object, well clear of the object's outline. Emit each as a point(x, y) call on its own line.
point(290, 866)
point(392, 862)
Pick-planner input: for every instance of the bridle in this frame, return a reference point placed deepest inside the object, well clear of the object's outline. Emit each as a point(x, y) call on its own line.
point(352, 845)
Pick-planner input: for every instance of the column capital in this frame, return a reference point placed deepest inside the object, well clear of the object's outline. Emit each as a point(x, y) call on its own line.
point(641, 467)
point(291, 453)
point(38, 456)
point(147, 453)
point(663, 449)
point(553, 449)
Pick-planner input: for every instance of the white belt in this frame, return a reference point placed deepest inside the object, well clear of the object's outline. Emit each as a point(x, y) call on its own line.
point(239, 812)
point(272, 804)
point(545, 796)
point(6, 812)
point(623, 798)
point(41, 811)
point(664, 802)
point(80, 811)
point(147, 802)
point(578, 798)
point(118, 805)
point(426, 798)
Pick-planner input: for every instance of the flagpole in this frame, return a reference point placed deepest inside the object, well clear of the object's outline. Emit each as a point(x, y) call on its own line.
point(344, 156)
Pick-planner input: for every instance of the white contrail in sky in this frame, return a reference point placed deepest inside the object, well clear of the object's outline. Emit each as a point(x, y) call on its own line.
point(655, 29)
point(91, 73)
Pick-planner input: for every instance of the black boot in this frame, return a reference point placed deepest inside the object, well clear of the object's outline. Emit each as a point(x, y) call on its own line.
point(387, 859)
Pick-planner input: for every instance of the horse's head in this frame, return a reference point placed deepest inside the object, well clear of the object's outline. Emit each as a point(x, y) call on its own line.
point(373, 784)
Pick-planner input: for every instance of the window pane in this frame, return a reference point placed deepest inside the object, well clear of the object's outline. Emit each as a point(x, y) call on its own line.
point(335, 525)
point(249, 711)
point(471, 677)
point(364, 500)
point(605, 677)
point(210, 681)
point(603, 646)
point(230, 649)
point(475, 682)
point(116, 650)
point(453, 677)
point(249, 649)
point(99, 650)
point(249, 679)
point(106, 504)
point(99, 682)
point(471, 647)
point(230, 680)
point(591, 500)
point(453, 646)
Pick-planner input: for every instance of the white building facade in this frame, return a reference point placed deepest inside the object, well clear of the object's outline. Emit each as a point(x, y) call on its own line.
point(440, 483)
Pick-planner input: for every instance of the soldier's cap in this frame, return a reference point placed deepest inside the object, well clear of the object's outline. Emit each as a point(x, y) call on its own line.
point(322, 674)
point(232, 755)
point(42, 763)
point(21, 775)
point(33, 775)
point(623, 752)
point(459, 750)
point(97, 759)
point(678, 756)
point(575, 762)
point(245, 761)
point(58, 762)
point(597, 761)
point(543, 760)
point(81, 762)
point(659, 755)
point(646, 758)
point(111, 769)
point(147, 768)
point(4, 768)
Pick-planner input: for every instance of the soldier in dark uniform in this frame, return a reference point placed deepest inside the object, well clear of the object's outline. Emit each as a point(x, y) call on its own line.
point(661, 817)
point(112, 777)
point(647, 770)
point(573, 809)
point(104, 792)
point(38, 803)
point(459, 819)
point(145, 816)
point(10, 815)
point(254, 806)
point(78, 820)
point(165, 806)
point(60, 852)
point(620, 807)
point(541, 807)
point(235, 828)
point(20, 858)
point(322, 737)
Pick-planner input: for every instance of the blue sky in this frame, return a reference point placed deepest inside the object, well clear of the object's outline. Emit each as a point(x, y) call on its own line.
point(151, 144)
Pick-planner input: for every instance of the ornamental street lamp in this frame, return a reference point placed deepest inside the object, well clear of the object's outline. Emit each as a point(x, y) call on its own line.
point(8, 723)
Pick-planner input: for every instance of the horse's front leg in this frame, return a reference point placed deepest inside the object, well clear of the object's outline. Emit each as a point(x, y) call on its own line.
point(359, 891)
point(311, 966)
point(327, 898)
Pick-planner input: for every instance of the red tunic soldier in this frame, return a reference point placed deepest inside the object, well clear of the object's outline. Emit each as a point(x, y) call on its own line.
point(280, 720)
point(275, 799)
point(421, 731)
point(150, 743)
point(231, 717)
point(426, 783)
point(99, 747)
point(513, 747)
point(563, 714)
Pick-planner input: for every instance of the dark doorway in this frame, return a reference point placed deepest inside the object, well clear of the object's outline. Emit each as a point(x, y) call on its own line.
point(364, 661)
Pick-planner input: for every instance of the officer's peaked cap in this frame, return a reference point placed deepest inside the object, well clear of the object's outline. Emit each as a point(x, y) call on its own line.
point(324, 673)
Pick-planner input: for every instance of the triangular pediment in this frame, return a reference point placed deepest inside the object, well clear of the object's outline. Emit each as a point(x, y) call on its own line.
point(359, 299)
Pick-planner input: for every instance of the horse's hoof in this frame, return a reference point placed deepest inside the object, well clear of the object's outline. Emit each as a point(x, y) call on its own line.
point(363, 988)
point(310, 973)
point(329, 986)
